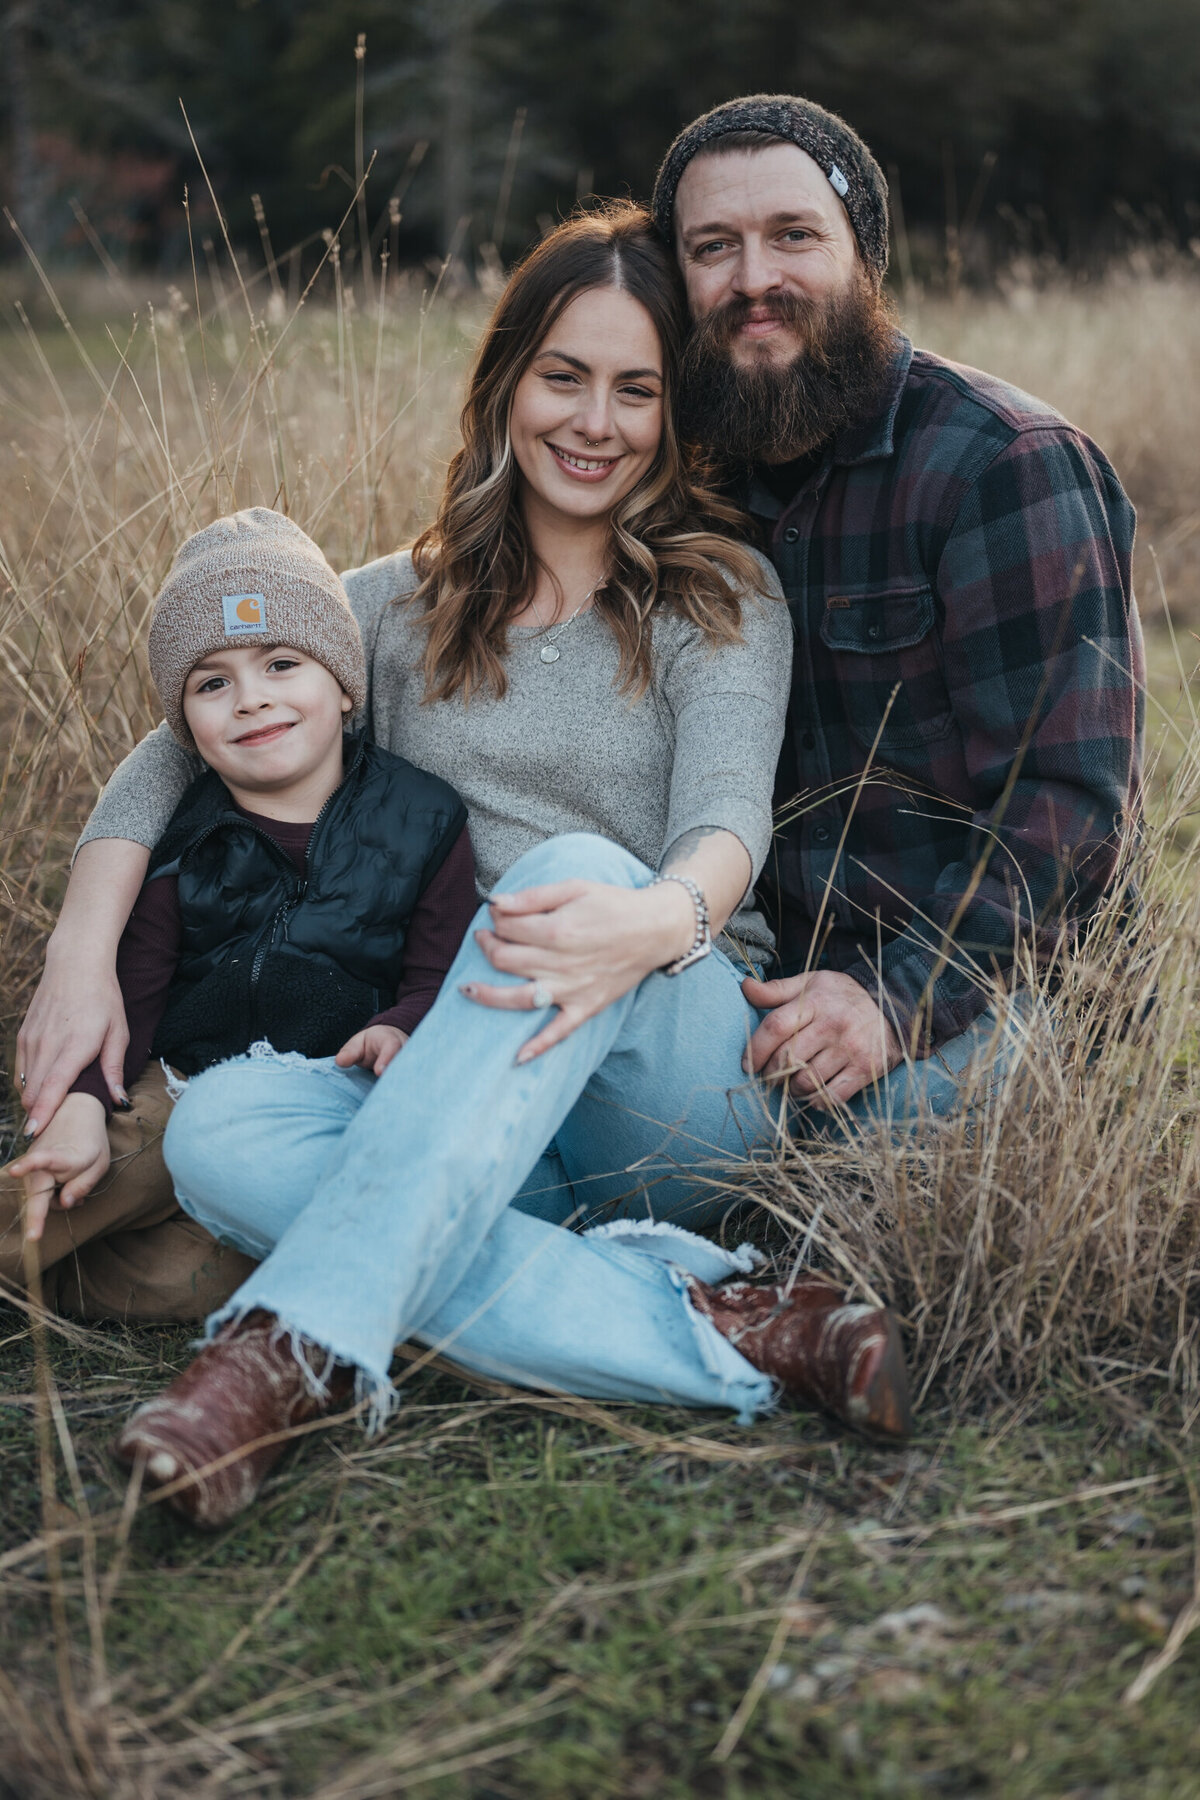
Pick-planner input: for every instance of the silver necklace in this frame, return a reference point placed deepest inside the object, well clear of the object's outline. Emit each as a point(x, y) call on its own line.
point(550, 651)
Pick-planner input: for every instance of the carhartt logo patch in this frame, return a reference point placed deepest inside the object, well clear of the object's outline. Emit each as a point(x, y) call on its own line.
point(244, 613)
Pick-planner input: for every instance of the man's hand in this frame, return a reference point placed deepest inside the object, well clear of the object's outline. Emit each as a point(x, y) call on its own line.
point(372, 1048)
point(824, 1035)
point(69, 1158)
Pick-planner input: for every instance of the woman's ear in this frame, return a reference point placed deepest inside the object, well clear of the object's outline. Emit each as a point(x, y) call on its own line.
point(347, 702)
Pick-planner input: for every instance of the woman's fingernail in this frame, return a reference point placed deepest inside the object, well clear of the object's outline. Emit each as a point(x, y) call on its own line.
point(468, 988)
point(524, 1056)
point(123, 1102)
point(31, 1128)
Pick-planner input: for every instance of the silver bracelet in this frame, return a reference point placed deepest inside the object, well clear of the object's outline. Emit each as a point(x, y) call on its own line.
point(702, 942)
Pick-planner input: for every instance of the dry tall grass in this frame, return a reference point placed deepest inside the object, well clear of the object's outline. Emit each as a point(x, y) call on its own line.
point(1063, 1223)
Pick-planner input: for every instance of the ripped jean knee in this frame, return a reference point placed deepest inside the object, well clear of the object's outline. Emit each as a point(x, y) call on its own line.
point(250, 1139)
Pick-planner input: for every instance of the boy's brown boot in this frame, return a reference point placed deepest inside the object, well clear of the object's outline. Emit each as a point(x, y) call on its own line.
point(844, 1358)
point(225, 1421)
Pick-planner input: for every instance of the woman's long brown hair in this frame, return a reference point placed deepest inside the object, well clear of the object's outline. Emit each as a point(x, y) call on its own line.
point(668, 544)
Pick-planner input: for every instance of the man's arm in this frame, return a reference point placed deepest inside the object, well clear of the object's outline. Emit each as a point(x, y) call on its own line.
point(1043, 661)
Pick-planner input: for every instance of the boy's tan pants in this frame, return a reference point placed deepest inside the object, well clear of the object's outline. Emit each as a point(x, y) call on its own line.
point(128, 1251)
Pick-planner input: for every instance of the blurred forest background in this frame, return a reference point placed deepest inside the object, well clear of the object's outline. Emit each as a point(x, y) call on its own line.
point(1053, 131)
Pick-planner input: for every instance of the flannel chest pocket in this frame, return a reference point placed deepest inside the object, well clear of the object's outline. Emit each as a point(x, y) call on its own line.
point(883, 642)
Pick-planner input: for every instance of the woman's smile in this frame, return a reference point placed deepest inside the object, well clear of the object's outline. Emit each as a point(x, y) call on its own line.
point(583, 468)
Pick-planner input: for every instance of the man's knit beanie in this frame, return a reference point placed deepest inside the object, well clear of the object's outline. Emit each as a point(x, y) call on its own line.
point(252, 578)
point(834, 146)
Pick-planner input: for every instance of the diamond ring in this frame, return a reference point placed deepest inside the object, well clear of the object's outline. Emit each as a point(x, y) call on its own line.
point(540, 996)
point(22, 1080)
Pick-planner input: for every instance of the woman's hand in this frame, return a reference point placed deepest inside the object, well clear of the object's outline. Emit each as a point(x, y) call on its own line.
point(69, 1159)
point(372, 1048)
point(586, 943)
point(77, 1015)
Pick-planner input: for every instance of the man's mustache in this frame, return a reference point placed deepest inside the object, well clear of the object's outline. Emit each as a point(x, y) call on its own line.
point(723, 324)
point(806, 317)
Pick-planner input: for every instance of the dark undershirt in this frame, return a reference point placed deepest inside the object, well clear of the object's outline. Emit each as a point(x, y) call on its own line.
point(148, 953)
point(785, 480)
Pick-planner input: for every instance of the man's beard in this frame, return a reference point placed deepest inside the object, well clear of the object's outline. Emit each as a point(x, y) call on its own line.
point(763, 411)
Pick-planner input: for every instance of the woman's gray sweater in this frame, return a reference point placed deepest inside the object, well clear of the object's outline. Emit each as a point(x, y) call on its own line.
point(564, 750)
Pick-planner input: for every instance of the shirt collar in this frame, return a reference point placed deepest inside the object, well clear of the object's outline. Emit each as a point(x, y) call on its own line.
point(871, 438)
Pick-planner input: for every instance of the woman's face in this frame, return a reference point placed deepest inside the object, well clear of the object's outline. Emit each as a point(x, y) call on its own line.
point(587, 414)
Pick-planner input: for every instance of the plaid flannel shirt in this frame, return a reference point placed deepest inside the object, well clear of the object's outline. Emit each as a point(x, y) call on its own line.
point(965, 730)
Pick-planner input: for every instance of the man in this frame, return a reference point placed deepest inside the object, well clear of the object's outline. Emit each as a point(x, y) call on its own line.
point(965, 730)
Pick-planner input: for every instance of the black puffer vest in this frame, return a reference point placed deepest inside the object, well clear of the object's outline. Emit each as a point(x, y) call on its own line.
point(300, 958)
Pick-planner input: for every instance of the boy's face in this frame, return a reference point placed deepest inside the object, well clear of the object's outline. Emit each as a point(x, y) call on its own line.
point(269, 720)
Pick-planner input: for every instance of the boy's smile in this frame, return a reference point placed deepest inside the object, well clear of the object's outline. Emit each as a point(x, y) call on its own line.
point(265, 734)
point(269, 721)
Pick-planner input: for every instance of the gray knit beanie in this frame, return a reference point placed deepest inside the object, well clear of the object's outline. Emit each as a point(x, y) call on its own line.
point(251, 578)
point(834, 146)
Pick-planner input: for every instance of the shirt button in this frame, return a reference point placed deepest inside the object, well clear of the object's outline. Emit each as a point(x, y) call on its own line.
point(791, 535)
point(809, 741)
point(821, 835)
point(872, 631)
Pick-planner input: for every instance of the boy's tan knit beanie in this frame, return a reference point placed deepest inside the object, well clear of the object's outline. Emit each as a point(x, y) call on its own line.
point(251, 578)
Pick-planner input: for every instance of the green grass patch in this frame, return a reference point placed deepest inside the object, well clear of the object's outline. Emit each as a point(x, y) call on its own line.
point(545, 1609)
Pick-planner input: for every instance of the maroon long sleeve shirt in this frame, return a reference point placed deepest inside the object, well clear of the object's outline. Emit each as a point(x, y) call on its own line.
point(148, 953)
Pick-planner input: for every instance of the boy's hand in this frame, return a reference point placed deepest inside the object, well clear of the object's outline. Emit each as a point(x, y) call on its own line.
point(372, 1049)
point(70, 1156)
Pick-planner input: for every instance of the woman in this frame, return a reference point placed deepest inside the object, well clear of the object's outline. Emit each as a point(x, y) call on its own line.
point(603, 677)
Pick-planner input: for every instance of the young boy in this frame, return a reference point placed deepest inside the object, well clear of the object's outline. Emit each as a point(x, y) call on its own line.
point(309, 894)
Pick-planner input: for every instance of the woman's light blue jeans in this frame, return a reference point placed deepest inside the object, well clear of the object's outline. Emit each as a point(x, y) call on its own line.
point(424, 1204)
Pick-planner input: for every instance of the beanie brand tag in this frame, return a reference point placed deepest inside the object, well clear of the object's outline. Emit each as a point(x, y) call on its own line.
point(244, 614)
point(838, 182)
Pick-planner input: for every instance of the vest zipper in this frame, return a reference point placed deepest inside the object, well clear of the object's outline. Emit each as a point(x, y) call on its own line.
point(279, 917)
point(269, 935)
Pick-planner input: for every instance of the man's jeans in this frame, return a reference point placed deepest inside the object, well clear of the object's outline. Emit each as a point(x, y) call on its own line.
point(421, 1204)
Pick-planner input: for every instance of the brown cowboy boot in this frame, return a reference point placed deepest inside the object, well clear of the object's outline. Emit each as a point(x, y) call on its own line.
point(225, 1420)
point(844, 1358)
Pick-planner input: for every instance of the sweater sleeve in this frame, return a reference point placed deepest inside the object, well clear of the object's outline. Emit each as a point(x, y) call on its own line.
point(728, 707)
point(142, 792)
point(436, 930)
point(147, 957)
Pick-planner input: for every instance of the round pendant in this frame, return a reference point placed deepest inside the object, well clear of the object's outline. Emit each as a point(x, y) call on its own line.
point(550, 653)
